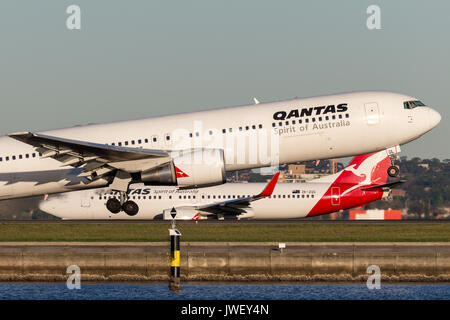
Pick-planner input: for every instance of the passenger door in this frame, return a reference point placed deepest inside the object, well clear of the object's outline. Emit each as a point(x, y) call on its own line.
point(372, 113)
point(335, 196)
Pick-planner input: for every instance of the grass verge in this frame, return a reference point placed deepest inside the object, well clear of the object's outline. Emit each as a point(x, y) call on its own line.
point(228, 232)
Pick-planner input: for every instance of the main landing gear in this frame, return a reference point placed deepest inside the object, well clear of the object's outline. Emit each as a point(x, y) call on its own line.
point(128, 206)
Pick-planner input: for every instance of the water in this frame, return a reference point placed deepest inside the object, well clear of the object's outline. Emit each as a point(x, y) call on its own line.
point(220, 291)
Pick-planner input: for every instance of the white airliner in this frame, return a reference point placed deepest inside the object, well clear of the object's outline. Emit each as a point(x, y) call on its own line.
point(196, 149)
point(362, 181)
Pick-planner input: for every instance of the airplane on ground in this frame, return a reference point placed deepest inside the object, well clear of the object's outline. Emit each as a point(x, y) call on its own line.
point(364, 180)
point(197, 149)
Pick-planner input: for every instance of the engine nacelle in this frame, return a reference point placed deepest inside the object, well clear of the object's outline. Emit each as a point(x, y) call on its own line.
point(181, 214)
point(189, 169)
point(200, 168)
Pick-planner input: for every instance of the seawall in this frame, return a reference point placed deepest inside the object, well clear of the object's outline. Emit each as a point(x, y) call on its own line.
point(225, 261)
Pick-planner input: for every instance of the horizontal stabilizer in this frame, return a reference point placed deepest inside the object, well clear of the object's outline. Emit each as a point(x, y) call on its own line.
point(382, 187)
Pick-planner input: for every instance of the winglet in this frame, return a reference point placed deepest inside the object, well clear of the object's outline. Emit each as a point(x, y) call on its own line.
point(267, 192)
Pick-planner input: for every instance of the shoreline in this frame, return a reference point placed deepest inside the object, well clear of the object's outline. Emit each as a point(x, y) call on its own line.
point(313, 262)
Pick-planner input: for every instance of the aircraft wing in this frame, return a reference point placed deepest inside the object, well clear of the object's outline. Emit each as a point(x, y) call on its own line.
point(235, 206)
point(384, 187)
point(96, 157)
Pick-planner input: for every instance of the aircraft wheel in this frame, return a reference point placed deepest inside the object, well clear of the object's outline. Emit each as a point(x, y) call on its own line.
point(130, 208)
point(393, 171)
point(113, 205)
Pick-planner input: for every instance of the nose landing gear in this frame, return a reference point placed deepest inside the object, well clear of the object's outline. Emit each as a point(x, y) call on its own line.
point(393, 171)
point(128, 206)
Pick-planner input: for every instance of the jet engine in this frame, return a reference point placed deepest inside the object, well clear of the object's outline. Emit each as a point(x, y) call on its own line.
point(189, 169)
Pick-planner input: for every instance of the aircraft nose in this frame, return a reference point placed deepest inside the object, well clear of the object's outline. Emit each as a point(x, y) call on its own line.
point(434, 117)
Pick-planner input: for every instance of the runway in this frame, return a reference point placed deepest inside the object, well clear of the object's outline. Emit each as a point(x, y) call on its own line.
point(238, 222)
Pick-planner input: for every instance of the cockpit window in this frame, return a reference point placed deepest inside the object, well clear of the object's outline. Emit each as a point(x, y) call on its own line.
point(413, 104)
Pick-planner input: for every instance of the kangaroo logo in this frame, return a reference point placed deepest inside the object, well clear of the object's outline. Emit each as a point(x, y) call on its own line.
point(364, 171)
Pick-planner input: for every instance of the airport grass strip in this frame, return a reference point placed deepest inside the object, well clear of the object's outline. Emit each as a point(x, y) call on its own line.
point(228, 232)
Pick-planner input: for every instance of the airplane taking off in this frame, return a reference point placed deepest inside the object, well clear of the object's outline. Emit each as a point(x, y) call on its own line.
point(361, 182)
point(197, 149)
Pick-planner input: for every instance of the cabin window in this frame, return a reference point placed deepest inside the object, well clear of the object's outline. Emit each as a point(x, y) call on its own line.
point(146, 140)
point(14, 157)
point(253, 127)
point(224, 130)
point(273, 124)
point(260, 126)
point(126, 143)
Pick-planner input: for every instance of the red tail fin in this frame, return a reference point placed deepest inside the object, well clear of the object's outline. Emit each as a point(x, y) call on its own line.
point(366, 169)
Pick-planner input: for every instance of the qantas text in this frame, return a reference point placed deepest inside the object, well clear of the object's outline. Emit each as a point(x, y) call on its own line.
point(312, 111)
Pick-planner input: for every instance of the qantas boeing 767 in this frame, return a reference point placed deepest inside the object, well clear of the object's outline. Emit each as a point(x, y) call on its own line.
point(362, 181)
point(196, 149)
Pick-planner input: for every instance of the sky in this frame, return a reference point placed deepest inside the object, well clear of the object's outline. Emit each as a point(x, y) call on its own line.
point(135, 59)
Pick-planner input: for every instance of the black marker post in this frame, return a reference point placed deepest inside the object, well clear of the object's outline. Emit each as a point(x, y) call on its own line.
point(174, 281)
